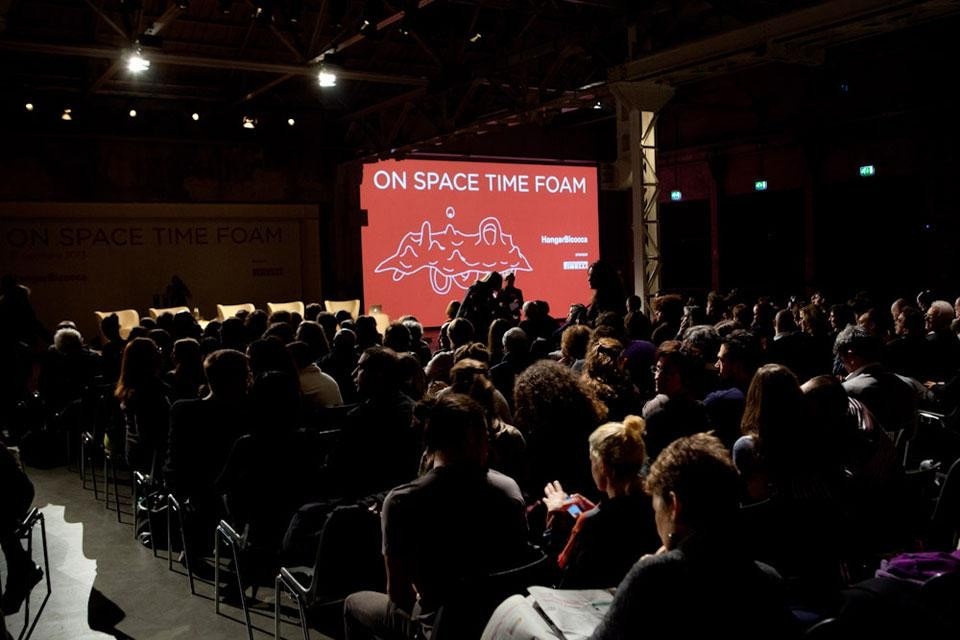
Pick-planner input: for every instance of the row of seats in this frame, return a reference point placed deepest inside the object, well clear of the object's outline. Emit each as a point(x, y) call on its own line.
point(130, 318)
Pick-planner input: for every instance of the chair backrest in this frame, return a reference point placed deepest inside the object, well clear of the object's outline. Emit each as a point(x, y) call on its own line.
point(383, 321)
point(225, 311)
point(292, 307)
point(129, 318)
point(465, 613)
point(156, 313)
point(351, 306)
point(348, 557)
point(945, 529)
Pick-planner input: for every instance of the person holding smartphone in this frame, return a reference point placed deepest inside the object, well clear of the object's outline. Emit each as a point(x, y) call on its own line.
point(596, 544)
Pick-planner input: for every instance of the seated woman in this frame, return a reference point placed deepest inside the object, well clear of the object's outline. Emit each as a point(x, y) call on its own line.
point(145, 405)
point(701, 582)
point(607, 538)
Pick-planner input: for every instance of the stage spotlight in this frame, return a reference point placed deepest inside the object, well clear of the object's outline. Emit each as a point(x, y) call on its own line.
point(132, 113)
point(28, 106)
point(291, 121)
point(195, 116)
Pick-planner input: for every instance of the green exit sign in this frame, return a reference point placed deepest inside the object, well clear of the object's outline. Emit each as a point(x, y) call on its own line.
point(676, 195)
point(867, 171)
point(760, 185)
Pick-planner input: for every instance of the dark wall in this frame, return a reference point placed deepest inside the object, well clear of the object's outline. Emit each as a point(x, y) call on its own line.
point(89, 168)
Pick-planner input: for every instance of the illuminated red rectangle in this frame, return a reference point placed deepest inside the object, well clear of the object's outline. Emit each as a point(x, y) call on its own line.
point(435, 227)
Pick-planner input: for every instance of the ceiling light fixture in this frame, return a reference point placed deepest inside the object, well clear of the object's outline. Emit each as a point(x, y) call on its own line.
point(28, 106)
point(326, 77)
point(133, 113)
point(67, 114)
point(249, 123)
point(136, 63)
point(475, 38)
point(195, 116)
point(291, 121)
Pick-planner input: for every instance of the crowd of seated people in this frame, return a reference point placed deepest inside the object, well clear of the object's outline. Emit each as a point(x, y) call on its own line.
point(580, 435)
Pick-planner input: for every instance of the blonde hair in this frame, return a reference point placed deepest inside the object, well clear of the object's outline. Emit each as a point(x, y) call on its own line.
point(620, 447)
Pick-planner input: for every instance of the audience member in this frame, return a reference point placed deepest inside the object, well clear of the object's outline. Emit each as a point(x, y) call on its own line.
point(317, 389)
point(600, 542)
point(145, 405)
point(686, 589)
point(458, 521)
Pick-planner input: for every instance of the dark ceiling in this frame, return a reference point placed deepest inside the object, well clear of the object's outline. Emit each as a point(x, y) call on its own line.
point(420, 72)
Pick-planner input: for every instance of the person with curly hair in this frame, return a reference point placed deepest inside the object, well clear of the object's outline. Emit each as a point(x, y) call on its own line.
point(604, 373)
point(556, 412)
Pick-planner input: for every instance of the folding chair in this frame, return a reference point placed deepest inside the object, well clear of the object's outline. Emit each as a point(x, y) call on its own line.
point(467, 611)
point(340, 567)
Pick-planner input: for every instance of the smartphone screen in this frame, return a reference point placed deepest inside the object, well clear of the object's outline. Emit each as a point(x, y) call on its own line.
point(574, 510)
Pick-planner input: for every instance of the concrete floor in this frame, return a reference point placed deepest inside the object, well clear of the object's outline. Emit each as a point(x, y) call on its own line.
point(107, 585)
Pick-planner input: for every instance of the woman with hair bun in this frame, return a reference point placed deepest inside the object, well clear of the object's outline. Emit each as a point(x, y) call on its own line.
point(606, 538)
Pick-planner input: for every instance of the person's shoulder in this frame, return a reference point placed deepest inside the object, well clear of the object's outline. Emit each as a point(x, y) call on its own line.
point(653, 567)
point(744, 442)
point(504, 483)
point(655, 404)
point(403, 493)
point(724, 395)
point(509, 431)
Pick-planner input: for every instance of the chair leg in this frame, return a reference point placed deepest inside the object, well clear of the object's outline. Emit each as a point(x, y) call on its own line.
point(135, 496)
point(173, 506)
point(303, 617)
point(106, 482)
point(27, 532)
point(186, 554)
point(116, 492)
point(83, 456)
point(46, 555)
point(243, 597)
point(216, 571)
point(278, 593)
point(216, 578)
point(170, 504)
point(153, 538)
point(93, 478)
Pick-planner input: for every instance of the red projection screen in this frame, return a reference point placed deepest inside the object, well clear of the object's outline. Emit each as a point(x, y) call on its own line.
point(435, 226)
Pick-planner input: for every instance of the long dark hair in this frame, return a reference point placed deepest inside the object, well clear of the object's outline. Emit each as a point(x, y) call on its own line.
point(140, 364)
